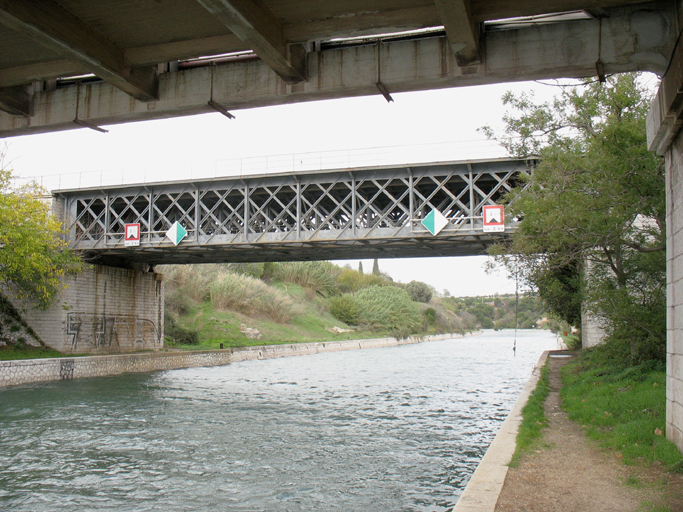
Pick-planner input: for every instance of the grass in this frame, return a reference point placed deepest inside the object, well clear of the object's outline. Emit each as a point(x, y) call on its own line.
point(534, 419)
point(11, 353)
point(623, 408)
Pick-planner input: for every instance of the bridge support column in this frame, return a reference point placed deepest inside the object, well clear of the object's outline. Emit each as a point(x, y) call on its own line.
point(665, 121)
point(103, 310)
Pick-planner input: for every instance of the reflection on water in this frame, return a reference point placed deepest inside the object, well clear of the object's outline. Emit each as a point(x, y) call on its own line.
point(393, 429)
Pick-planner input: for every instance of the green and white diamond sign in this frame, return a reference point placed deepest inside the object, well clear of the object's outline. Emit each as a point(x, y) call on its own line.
point(176, 233)
point(435, 222)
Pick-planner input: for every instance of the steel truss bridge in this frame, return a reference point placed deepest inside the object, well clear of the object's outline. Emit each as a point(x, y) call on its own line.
point(348, 213)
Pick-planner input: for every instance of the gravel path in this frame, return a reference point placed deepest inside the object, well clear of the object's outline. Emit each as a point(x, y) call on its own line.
point(572, 474)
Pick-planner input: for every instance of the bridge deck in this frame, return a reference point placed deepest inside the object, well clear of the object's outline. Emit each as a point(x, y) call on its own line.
point(346, 213)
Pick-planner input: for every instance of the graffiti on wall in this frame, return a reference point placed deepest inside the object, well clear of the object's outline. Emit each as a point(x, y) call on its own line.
point(111, 332)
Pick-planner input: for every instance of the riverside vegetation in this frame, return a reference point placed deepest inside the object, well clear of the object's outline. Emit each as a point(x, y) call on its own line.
point(207, 305)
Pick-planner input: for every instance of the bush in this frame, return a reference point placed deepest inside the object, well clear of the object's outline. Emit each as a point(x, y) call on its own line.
point(345, 308)
point(179, 334)
point(388, 308)
point(350, 281)
point(251, 296)
point(255, 270)
point(419, 291)
point(430, 313)
point(319, 276)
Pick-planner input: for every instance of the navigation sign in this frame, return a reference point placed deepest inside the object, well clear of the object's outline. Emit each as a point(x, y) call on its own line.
point(494, 219)
point(131, 235)
point(435, 222)
point(176, 233)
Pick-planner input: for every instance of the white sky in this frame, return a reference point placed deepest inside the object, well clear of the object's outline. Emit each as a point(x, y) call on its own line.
point(424, 126)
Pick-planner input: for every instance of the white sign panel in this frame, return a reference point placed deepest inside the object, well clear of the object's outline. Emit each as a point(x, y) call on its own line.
point(494, 219)
point(131, 236)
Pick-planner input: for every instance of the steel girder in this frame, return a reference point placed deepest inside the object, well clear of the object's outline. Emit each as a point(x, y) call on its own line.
point(350, 213)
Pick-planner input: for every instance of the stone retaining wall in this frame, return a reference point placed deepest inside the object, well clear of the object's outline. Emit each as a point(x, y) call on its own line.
point(37, 370)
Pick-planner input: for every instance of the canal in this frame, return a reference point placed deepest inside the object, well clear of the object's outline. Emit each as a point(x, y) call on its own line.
point(390, 429)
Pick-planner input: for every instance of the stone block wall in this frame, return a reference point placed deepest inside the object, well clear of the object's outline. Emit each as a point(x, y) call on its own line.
point(592, 333)
point(102, 310)
point(40, 370)
point(674, 273)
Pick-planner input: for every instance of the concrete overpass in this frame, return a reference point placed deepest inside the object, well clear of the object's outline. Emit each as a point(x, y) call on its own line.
point(68, 64)
point(372, 212)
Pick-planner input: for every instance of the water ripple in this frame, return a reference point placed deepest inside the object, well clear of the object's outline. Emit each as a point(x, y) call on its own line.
point(398, 429)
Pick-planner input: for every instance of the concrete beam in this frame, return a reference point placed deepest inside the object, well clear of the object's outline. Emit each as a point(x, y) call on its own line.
point(50, 25)
point(486, 10)
point(665, 118)
point(631, 40)
point(461, 30)
point(15, 100)
point(256, 26)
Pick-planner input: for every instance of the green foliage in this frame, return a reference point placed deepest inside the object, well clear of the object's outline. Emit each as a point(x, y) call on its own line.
point(255, 270)
point(318, 276)
point(419, 291)
point(623, 407)
point(245, 294)
point(349, 281)
point(534, 419)
point(33, 255)
point(15, 352)
point(179, 335)
point(430, 313)
point(593, 207)
point(388, 308)
point(345, 308)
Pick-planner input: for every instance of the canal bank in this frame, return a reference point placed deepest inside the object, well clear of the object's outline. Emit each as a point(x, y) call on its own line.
point(26, 371)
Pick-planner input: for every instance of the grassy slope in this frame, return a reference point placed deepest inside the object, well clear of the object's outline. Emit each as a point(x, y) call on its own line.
point(308, 324)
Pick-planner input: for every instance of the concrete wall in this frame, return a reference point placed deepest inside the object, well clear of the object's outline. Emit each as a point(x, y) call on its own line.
point(39, 370)
point(102, 310)
point(591, 331)
point(674, 273)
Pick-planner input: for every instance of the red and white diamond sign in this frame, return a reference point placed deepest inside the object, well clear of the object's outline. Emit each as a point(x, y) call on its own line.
point(494, 219)
point(131, 237)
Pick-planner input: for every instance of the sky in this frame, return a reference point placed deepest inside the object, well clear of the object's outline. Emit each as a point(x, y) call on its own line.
point(417, 127)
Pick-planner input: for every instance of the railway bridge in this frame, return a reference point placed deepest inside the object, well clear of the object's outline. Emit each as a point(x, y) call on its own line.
point(380, 212)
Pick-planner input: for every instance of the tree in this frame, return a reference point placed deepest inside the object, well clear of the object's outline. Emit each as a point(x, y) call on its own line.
point(592, 211)
point(33, 256)
point(419, 291)
point(375, 267)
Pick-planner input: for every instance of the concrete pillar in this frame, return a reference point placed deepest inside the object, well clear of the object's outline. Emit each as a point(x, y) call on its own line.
point(674, 257)
point(592, 333)
point(665, 121)
point(103, 310)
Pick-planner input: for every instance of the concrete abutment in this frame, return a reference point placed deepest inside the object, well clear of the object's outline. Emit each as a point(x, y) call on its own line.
point(102, 310)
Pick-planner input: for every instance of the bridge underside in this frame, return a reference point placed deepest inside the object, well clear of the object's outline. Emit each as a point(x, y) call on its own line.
point(67, 64)
point(354, 213)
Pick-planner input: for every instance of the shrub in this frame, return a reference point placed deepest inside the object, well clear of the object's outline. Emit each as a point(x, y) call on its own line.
point(390, 308)
point(179, 334)
point(430, 313)
point(350, 281)
point(319, 276)
point(255, 270)
point(419, 291)
point(247, 295)
point(345, 308)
